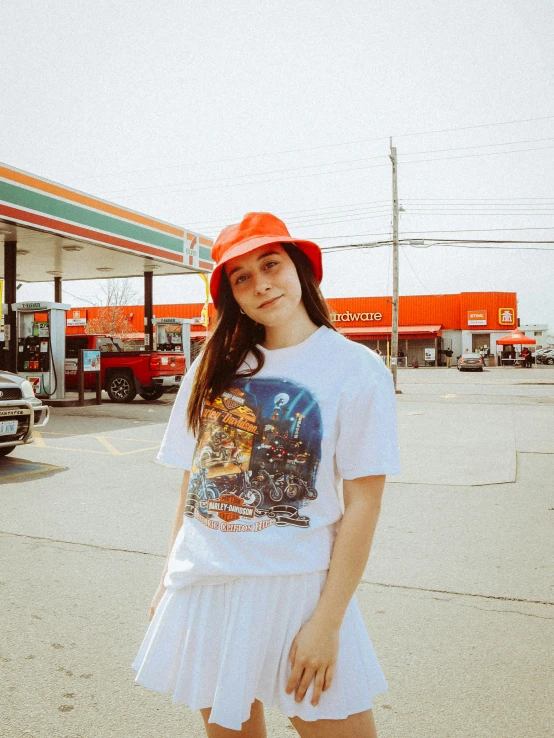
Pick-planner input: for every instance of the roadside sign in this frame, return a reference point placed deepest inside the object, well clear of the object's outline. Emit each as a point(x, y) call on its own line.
point(91, 360)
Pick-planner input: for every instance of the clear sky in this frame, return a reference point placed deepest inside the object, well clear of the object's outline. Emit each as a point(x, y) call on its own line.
point(198, 112)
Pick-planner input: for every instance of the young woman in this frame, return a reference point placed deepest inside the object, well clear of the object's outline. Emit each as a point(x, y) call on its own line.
point(256, 603)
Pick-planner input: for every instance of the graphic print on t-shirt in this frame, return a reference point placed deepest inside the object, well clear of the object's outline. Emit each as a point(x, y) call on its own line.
point(257, 456)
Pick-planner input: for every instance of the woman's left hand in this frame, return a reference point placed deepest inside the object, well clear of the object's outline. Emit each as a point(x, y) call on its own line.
point(313, 655)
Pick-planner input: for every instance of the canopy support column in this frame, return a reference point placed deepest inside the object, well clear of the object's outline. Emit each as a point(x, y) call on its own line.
point(148, 312)
point(57, 289)
point(10, 286)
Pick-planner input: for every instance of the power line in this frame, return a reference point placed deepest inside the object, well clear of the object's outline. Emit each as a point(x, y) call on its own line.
point(472, 199)
point(455, 230)
point(482, 153)
point(298, 218)
point(351, 235)
point(82, 299)
point(480, 205)
point(335, 145)
point(483, 230)
point(232, 178)
point(480, 146)
point(476, 246)
point(248, 174)
point(412, 268)
point(357, 207)
point(341, 220)
point(340, 171)
point(454, 243)
point(264, 181)
point(472, 213)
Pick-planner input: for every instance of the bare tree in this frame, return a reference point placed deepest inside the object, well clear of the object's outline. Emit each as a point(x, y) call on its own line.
point(111, 320)
point(110, 296)
point(117, 292)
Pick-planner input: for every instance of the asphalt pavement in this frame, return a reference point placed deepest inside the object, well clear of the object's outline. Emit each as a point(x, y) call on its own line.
point(457, 595)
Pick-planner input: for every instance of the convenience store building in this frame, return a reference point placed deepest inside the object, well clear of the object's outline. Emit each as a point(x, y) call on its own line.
point(464, 321)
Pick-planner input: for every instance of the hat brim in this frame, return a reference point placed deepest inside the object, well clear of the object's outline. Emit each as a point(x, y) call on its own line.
point(311, 249)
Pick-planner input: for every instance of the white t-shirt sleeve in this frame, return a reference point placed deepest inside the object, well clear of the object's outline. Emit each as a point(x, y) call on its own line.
point(178, 444)
point(367, 442)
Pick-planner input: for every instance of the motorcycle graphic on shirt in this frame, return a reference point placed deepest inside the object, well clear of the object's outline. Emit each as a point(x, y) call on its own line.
point(257, 456)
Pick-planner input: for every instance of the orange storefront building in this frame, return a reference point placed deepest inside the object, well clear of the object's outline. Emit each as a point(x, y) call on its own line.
point(467, 320)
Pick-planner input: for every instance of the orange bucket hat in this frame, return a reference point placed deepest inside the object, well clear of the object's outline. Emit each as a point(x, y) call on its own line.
point(255, 230)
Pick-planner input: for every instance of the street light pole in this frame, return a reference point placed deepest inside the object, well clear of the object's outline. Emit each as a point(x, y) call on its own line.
point(394, 336)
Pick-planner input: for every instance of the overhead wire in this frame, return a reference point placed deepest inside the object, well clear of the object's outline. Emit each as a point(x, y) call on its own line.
point(374, 205)
point(414, 233)
point(403, 251)
point(299, 218)
point(347, 247)
point(234, 177)
point(482, 230)
point(472, 199)
point(482, 153)
point(479, 146)
point(472, 213)
point(265, 181)
point(435, 241)
point(341, 171)
point(335, 145)
point(309, 224)
point(82, 299)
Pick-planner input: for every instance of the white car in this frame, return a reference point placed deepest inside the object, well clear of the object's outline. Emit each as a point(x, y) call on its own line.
point(20, 412)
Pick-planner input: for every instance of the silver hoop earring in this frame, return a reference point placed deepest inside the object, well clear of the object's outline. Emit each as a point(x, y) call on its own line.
point(242, 311)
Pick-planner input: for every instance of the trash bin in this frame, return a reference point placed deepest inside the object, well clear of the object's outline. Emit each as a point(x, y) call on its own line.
point(491, 360)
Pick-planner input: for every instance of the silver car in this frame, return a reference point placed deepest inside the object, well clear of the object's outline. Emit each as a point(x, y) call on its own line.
point(470, 361)
point(545, 356)
point(20, 412)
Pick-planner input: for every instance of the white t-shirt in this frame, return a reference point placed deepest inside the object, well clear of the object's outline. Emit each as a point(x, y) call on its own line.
point(263, 494)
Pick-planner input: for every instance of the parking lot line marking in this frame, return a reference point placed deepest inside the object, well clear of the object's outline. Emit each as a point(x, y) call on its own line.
point(39, 440)
point(138, 450)
point(107, 452)
point(78, 450)
point(108, 445)
point(89, 435)
point(105, 441)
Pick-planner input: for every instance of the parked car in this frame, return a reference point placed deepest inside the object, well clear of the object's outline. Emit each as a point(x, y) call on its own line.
point(20, 412)
point(470, 361)
point(124, 374)
point(545, 356)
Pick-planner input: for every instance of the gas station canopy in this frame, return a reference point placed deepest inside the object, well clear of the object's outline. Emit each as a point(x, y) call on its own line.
point(61, 232)
point(54, 233)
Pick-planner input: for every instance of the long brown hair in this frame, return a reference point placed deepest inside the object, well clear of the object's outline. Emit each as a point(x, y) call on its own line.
point(235, 335)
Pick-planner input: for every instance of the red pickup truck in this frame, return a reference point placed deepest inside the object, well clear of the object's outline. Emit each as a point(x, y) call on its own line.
point(124, 374)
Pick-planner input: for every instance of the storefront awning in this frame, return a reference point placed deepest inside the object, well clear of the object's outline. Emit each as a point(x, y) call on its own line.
point(384, 331)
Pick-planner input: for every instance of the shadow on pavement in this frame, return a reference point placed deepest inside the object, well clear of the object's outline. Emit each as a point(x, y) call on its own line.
point(13, 470)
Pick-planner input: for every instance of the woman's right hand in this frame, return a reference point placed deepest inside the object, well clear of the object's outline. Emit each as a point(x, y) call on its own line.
point(156, 601)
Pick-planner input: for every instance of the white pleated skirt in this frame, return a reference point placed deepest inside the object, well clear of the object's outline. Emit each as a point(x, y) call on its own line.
point(225, 645)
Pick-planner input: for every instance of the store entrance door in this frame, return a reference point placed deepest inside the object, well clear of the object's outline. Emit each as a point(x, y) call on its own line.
point(479, 340)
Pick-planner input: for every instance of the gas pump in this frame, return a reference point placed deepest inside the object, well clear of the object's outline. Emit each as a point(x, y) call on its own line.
point(41, 346)
point(173, 334)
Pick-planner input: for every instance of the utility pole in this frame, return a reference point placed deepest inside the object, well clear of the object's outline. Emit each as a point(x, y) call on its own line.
point(394, 336)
